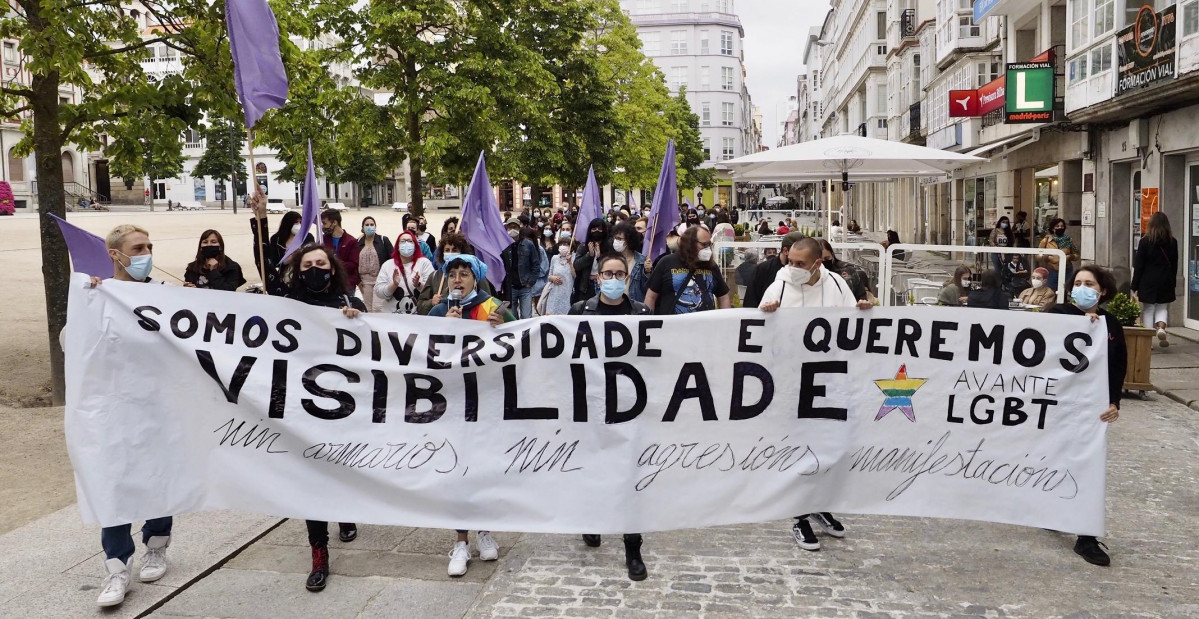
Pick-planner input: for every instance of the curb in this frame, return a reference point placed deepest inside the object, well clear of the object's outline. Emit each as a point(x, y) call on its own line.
point(1192, 404)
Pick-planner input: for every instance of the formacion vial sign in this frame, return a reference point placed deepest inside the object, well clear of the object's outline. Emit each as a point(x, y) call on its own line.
point(765, 413)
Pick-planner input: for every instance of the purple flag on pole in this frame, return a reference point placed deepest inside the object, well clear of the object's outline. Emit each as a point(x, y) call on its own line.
point(664, 214)
point(88, 252)
point(311, 214)
point(257, 65)
point(481, 224)
point(590, 207)
point(632, 202)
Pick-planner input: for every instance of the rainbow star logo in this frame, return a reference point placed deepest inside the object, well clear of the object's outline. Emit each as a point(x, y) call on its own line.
point(899, 392)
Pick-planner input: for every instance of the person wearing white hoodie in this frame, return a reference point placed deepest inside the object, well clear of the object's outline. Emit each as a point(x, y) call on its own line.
point(804, 282)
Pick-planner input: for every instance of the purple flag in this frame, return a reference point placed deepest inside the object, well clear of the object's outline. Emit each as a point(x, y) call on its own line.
point(590, 207)
point(257, 65)
point(481, 224)
point(664, 214)
point(311, 215)
point(88, 252)
point(632, 202)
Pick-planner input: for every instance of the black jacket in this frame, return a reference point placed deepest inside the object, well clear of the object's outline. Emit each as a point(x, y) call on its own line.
point(584, 287)
point(522, 265)
point(1155, 270)
point(590, 307)
point(229, 278)
point(382, 247)
point(994, 298)
point(1117, 350)
point(335, 300)
point(763, 276)
point(273, 249)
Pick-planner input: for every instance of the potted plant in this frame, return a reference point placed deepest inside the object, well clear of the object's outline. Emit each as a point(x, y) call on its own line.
point(1138, 340)
point(741, 231)
point(7, 203)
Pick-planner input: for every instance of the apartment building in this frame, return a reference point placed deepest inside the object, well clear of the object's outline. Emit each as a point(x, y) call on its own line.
point(698, 45)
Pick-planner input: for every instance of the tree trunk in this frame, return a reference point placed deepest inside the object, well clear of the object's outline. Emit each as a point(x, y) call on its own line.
point(56, 267)
point(412, 120)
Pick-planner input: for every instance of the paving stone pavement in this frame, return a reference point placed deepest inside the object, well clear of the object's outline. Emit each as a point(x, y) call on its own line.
point(885, 567)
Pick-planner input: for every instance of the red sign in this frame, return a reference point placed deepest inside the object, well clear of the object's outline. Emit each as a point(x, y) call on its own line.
point(992, 96)
point(963, 103)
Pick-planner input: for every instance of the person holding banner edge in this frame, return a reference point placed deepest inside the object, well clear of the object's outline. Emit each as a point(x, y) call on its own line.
point(1094, 286)
point(316, 277)
point(132, 256)
point(468, 300)
point(805, 282)
point(614, 300)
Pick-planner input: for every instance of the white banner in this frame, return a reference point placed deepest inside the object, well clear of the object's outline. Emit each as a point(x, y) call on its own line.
point(180, 400)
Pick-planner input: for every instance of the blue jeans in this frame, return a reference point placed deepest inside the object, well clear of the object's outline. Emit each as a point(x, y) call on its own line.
point(522, 300)
point(118, 543)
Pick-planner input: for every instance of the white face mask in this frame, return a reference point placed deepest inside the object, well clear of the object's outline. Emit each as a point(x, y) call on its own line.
point(1037, 283)
point(965, 282)
point(705, 254)
point(514, 233)
point(295, 229)
point(800, 276)
point(618, 245)
point(563, 250)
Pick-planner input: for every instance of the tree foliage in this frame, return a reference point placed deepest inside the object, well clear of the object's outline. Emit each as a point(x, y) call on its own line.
point(222, 158)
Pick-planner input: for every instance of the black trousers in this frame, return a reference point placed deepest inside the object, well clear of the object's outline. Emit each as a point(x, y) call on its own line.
point(318, 532)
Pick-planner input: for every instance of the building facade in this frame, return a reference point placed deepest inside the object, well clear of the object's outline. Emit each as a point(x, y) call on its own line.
point(697, 44)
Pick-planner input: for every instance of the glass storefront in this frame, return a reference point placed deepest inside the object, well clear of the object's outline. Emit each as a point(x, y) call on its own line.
point(981, 209)
point(1191, 252)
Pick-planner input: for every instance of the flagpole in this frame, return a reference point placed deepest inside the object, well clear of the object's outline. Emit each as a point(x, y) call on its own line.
point(257, 222)
point(653, 232)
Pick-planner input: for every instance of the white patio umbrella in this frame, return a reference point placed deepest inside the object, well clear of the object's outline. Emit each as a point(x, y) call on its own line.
point(845, 158)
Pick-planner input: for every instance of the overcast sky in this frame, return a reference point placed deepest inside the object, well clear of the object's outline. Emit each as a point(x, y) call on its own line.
point(775, 31)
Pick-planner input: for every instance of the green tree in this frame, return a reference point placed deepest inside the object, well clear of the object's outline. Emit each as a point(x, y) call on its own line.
point(689, 147)
point(94, 48)
point(149, 148)
point(222, 160)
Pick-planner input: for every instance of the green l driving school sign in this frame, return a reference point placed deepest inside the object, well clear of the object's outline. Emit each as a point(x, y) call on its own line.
point(1030, 92)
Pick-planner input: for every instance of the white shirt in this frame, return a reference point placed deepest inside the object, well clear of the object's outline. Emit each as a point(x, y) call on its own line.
point(828, 291)
point(396, 302)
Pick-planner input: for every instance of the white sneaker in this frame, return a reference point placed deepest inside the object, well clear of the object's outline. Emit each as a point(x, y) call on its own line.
point(154, 564)
point(1161, 339)
point(459, 558)
point(112, 592)
point(489, 550)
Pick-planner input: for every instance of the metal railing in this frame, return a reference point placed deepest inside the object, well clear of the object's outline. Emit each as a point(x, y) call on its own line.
point(907, 23)
point(75, 190)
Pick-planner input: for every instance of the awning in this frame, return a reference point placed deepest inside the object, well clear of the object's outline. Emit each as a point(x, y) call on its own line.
point(1025, 135)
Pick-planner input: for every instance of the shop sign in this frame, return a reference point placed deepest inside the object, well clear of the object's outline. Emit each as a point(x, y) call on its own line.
point(1145, 50)
point(982, 7)
point(991, 96)
point(963, 103)
point(1149, 206)
point(1031, 89)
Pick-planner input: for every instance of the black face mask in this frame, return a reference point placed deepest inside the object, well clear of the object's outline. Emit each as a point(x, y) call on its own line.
point(693, 221)
point(210, 251)
point(422, 227)
point(829, 262)
point(1059, 231)
point(316, 279)
point(595, 236)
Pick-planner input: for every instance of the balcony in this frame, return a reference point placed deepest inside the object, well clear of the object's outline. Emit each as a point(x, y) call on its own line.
point(914, 125)
point(907, 24)
point(688, 19)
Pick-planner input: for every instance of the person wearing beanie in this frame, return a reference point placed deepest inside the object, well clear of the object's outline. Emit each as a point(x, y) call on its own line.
point(1038, 293)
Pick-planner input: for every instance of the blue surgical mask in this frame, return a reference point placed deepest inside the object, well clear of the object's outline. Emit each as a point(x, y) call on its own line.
point(139, 266)
point(369, 230)
point(449, 256)
point(612, 288)
point(1085, 298)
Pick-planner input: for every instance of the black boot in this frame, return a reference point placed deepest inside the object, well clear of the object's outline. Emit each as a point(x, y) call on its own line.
point(632, 557)
point(591, 540)
point(1091, 549)
point(347, 531)
point(320, 568)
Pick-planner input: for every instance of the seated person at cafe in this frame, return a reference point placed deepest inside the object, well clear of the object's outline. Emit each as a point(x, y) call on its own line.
point(955, 290)
point(1038, 293)
point(991, 293)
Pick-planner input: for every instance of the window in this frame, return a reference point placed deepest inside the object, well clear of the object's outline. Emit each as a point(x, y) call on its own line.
point(726, 78)
point(726, 43)
point(987, 72)
point(647, 6)
point(191, 138)
point(726, 114)
point(649, 43)
point(678, 42)
point(679, 6)
point(706, 116)
point(880, 99)
point(678, 77)
point(1101, 59)
point(1105, 17)
point(707, 149)
point(724, 6)
point(967, 28)
point(704, 45)
point(705, 79)
point(1080, 26)
point(1077, 69)
point(16, 167)
point(727, 150)
point(10, 51)
point(1190, 18)
point(881, 18)
point(965, 5)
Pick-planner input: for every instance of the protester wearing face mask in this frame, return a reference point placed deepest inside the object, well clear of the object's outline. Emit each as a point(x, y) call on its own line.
point(435, 291)
point(403, 277)
point(1058, 239)
point(559, 288)
point(212, 269)
point(373, 250)
point(1094, 286)
point(598, 243)
point(423, 234)
point(804, 282)
point(344, 246)
point(691, 219)
point(131, 252)
point(1001, 236)
point(614, 300)
point(1038, 293)
point(274, 248)
point(522, 265)
point(317, 277)
point(853, 274)
point(764, 274)
point(627, 242)
point(688, 281)
point(956, 290)
point(466, 300)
